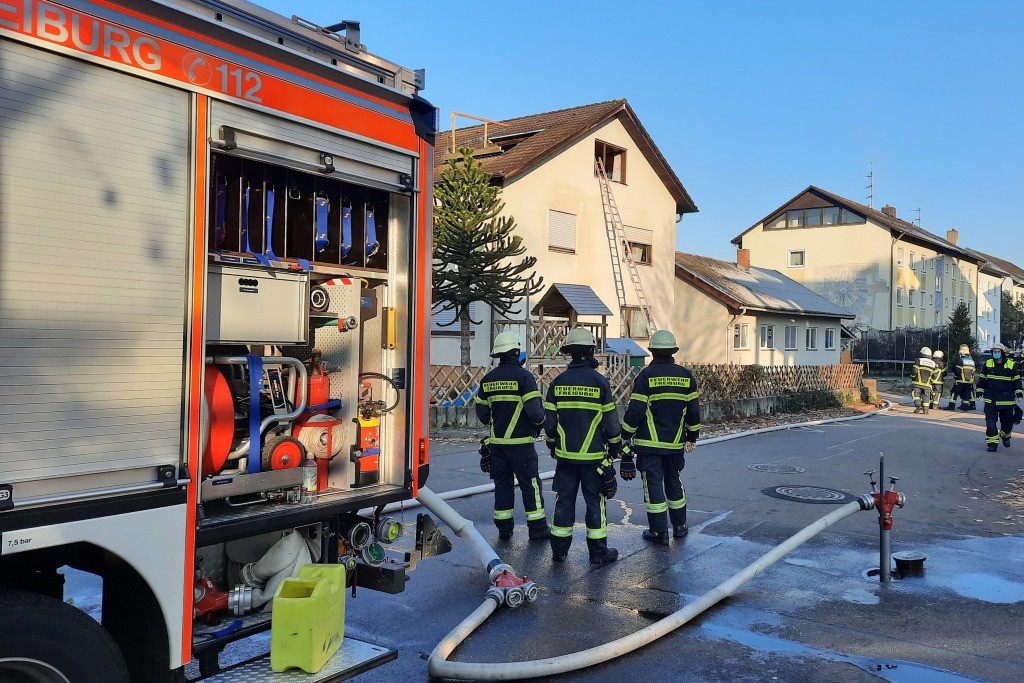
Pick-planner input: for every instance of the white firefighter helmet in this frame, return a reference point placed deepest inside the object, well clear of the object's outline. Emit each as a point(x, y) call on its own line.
point(965, 350)
point(926, 352)
point(938, 355)
point(505, 342)
point(579, 336)
point(1000, 347)
point(663, 339)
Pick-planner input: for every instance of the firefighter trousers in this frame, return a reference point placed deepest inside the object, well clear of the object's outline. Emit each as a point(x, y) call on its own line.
point(922, 396)
point(964, 391)
point(509, 463)
point(663, 490)
point(570, 477)
point(1004, 416)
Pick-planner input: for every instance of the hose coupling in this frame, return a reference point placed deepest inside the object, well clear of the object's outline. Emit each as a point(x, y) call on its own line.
point(240, 600)
point(532, 591)
point(515, 596)
point(250, 578)
point(867, 501)
point(496, 594)
point(497, 571)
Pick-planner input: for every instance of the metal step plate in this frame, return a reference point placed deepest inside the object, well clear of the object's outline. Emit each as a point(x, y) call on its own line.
point(353, 658)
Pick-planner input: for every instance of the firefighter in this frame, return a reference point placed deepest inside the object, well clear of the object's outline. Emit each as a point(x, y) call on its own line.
point(581, 424)
point(510, 404)
point(663, 421)
point(921, 381)
point(963, 380)
point(999, 385)
point(938, 376)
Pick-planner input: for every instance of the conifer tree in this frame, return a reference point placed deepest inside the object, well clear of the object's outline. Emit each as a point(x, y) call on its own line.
point(476, 250)
point(1011, 320)
point(960, 329)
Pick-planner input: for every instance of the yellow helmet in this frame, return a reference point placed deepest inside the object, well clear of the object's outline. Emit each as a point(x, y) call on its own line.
point(663, 339)
point(579, 336)
point(505, 342)
point(965, 350)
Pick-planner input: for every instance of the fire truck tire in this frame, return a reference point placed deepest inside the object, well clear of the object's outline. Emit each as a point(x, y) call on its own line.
point(43, 640)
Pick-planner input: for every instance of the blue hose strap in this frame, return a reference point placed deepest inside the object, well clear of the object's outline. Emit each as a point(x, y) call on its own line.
point(321, 210)
point(269, 245)
point(329, 405)
point(245, 216)
point(371, 232)
point(346, 229)
point(255, 379)
point(220, 218)
point(304, 264)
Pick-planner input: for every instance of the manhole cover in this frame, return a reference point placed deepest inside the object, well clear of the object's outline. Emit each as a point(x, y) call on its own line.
point(777, 469)
point(808, 494)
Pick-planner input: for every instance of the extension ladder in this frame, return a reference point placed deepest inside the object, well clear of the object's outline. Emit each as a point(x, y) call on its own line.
point(617, 240)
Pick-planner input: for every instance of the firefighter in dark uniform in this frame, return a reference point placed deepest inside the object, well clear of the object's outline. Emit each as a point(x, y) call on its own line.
point(581, 425)
point(999, 385)
point(663, 420)
point(510, 404)
point(921, 381)
point(963, 380)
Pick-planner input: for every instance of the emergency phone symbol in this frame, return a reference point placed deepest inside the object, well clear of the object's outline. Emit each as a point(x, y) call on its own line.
point(197, 69)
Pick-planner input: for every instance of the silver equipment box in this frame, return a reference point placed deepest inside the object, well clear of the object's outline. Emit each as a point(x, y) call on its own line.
point(256, 306)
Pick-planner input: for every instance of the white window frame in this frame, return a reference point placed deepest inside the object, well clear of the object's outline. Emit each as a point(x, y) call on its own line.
point(741, 337)
point(830, 339)
point(910, 298)
point(913, 260)
point(766, 337)
point(803, 258)
point(811, 339)
point(899, 257)
point(796, 338)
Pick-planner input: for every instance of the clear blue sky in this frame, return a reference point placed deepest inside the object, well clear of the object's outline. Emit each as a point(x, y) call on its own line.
point(750, 102)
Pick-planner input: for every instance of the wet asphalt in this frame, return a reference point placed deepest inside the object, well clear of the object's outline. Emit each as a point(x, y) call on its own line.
point(816, 615)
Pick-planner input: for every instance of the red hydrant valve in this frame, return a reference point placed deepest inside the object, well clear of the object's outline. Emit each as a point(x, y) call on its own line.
point(884, 503)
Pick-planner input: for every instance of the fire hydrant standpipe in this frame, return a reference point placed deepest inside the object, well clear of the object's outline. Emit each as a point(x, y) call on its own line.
point(485, 671)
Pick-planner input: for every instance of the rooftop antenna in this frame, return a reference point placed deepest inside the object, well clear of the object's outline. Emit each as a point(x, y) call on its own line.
point(918, 209)
point(871, 185)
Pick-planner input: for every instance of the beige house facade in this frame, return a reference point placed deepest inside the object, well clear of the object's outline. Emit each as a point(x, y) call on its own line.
point(735, 313)
point(889, 273)
point(546, 166)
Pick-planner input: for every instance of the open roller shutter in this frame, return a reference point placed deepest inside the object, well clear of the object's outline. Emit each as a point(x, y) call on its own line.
point(93, 219)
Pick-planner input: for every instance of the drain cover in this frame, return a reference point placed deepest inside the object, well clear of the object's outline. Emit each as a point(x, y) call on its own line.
point(777, 469)
point(808, 494)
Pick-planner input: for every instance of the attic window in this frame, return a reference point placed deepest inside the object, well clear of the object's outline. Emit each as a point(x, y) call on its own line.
point(614, 160)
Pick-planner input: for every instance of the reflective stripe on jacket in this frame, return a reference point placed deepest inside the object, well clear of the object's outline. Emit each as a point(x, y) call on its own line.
point(510, 403)
point(963, 370)
point(921, 373)
point(664, 410)
point(581, 416)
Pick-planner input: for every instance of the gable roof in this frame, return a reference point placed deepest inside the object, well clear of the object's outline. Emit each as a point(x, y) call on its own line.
point(1011, 269)
point(580, 298)
point(517, 145)
point(757, 289)
point(892, 223)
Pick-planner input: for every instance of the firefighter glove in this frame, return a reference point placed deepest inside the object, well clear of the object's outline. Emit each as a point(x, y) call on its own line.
point(609, 484)
point(614, 449)
point(1018, 395)
point(627, 468)
point(485, 455)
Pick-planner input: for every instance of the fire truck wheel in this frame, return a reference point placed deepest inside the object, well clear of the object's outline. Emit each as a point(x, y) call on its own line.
point(31, 625)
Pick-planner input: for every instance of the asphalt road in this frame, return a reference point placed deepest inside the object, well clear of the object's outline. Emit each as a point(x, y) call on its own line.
point(816, 615)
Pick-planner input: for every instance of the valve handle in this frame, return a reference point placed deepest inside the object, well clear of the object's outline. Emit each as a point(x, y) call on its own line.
point(869, 472)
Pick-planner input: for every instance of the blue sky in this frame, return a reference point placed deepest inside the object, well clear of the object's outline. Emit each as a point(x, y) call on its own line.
point(750, 102)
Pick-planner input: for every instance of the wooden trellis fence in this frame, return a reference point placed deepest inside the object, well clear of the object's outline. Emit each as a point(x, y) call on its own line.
point(453, 386)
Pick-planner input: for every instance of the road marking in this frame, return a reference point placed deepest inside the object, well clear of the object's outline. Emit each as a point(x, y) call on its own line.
point(808, 429)
point(848, 450)
point(869, 436)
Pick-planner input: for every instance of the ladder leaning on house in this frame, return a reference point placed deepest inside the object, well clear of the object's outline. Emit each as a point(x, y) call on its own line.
point(617, 240)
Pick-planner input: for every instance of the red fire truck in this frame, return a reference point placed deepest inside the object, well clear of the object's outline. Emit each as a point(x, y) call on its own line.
point(214, 317)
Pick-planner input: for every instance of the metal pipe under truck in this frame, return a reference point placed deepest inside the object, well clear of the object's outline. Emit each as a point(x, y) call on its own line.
point(215, 272)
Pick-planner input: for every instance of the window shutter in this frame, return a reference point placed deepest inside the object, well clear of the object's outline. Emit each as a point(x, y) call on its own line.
point(561, 230)
point(639, 235)
point(439, 318)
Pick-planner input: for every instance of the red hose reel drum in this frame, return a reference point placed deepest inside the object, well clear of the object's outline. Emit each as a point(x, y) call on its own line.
point(221, 409)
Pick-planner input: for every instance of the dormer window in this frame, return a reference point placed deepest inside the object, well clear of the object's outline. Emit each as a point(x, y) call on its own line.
point(613, 159)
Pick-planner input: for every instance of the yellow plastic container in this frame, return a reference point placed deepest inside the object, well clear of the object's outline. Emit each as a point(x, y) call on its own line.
point(309, 618)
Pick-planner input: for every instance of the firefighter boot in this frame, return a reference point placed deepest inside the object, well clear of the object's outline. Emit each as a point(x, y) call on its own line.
point(610, 555)
point(993, 447)
point(656, 537)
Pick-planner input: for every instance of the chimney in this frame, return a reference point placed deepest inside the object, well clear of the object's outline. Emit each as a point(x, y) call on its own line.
point(952, 235)
point(889, 210)
point(743, 258)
